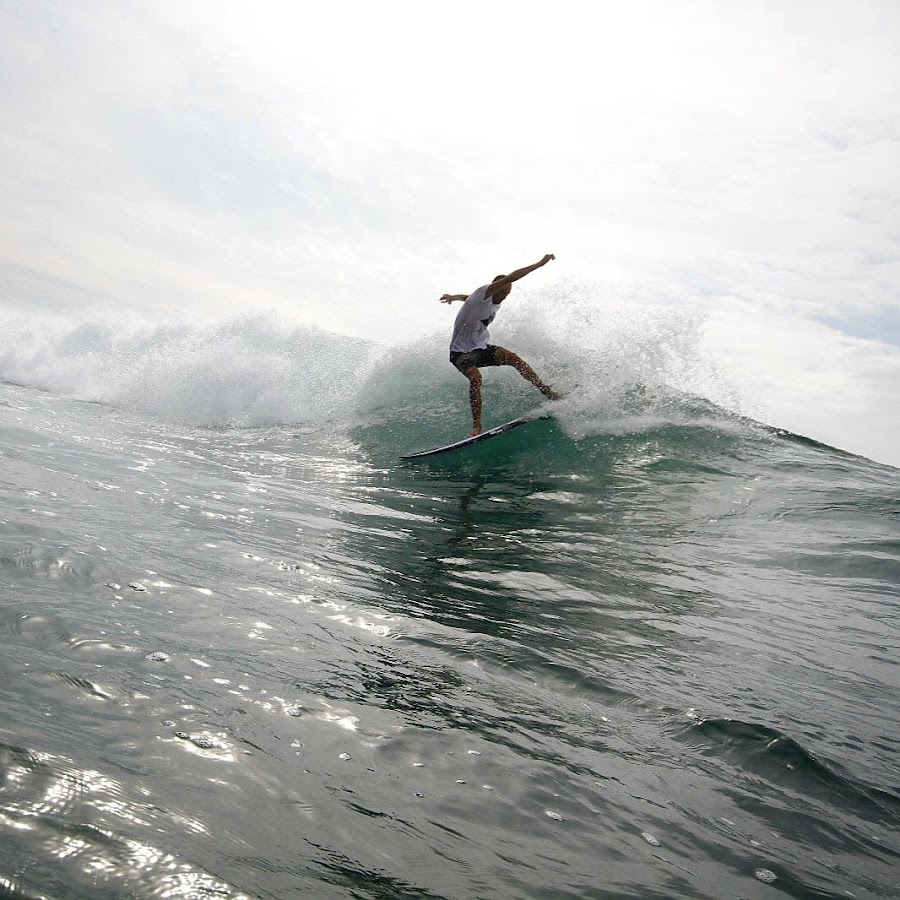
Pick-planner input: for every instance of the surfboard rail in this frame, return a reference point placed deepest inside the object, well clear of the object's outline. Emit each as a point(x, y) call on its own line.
point(485, 435)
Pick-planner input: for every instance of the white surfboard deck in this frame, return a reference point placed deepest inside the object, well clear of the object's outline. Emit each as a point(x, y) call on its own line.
point(485, 435)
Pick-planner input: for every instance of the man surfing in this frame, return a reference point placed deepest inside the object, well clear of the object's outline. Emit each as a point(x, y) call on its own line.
point(469, 347)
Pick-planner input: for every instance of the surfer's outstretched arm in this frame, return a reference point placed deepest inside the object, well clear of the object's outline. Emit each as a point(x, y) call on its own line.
point(502, 282)
point(507, 280)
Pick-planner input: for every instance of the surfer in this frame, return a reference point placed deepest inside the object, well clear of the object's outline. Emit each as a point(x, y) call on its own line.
point(469, 347)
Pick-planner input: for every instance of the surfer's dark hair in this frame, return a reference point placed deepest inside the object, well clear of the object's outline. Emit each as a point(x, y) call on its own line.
point(498, 278)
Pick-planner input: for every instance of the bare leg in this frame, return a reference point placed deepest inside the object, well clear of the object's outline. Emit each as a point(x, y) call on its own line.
point(508, 358)
point(474, 377)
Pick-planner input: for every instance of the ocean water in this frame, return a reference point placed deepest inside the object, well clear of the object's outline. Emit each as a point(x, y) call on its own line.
point(647, 647)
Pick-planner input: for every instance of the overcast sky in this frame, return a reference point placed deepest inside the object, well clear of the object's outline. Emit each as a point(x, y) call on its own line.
point(346, 163)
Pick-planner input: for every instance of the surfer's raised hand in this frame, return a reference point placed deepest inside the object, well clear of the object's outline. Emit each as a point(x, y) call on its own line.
point(499, 287)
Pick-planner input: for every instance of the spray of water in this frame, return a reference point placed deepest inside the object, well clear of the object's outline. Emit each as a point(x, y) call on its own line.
point(250, 370)
point(629, 362)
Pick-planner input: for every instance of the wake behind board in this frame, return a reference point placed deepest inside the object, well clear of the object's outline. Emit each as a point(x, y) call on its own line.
point(485, 435)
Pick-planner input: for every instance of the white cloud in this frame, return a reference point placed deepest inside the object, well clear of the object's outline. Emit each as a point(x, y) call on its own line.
point(811, 379)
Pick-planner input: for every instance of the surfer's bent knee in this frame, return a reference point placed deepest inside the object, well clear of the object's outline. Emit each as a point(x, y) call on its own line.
point(507, 357)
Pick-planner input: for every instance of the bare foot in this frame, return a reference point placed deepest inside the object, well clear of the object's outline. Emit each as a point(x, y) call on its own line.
point(475, 431)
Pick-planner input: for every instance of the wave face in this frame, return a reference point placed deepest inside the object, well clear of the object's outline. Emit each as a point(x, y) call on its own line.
point(647, 647)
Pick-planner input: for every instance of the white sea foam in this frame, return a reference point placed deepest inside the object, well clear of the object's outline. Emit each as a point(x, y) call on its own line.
point(250, 370)
point(630, 358)
point(626, 355)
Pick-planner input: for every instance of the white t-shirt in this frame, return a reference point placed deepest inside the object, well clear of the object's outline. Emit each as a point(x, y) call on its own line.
point(470, 330)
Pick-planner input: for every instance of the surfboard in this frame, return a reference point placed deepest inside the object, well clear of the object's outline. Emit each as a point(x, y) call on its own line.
point(484, 436)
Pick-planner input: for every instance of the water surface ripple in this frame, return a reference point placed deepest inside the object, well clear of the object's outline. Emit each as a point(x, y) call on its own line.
point(275, 662)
